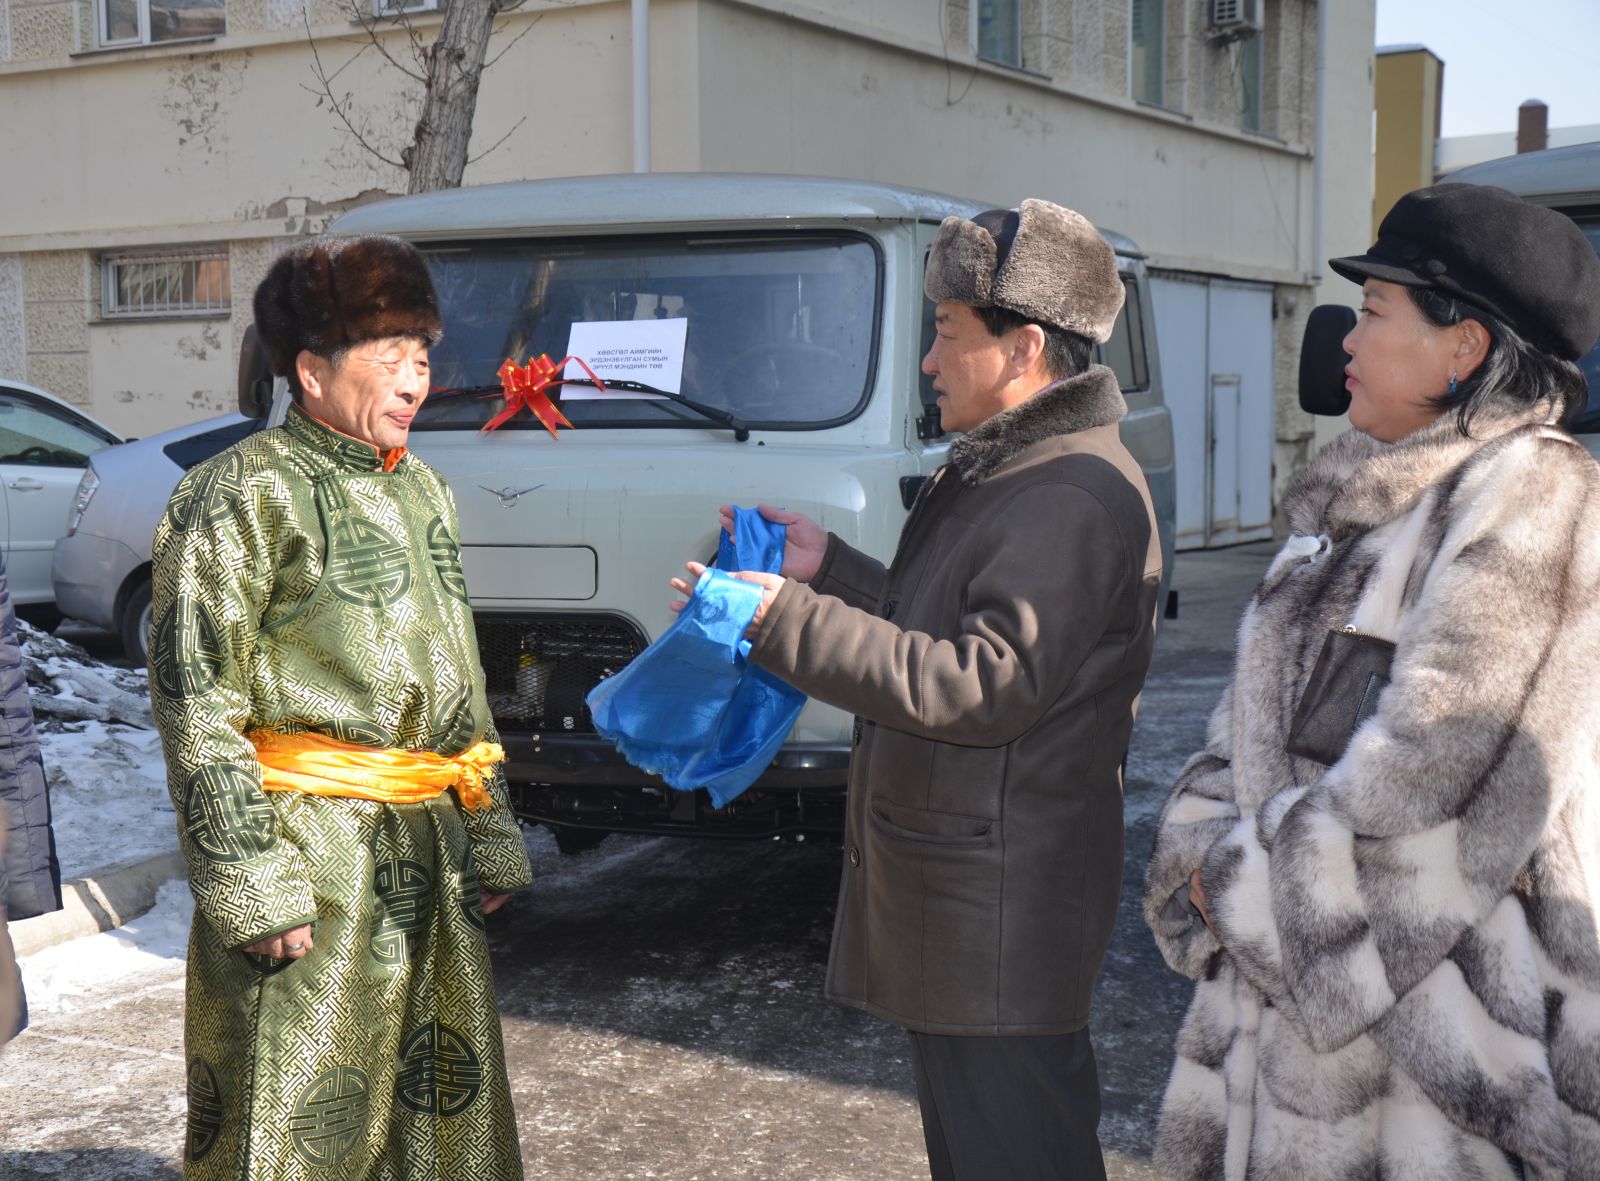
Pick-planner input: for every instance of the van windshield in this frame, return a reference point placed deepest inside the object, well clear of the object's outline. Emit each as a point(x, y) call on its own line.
point(779, 330)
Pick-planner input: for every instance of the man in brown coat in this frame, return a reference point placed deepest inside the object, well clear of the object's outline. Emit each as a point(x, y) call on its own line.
point(993, 668)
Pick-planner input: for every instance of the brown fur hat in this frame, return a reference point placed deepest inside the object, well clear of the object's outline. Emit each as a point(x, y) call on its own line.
point(329, 293)
point(1040, 260)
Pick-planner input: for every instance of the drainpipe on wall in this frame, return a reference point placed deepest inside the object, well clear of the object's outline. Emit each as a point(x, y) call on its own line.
point(641, 85)
point(1318, 165)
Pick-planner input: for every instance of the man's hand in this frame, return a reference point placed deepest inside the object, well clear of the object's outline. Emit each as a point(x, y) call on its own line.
point(804, 542)
point(290, 945)
point(770, 585)
point(491, 902)
point(1197, 895)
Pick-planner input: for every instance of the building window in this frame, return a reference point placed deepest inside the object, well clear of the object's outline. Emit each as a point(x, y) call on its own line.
point(403, 7)
point(1147, 41)
point(174, 283)
point(1247, 72)
point(998, 31)
point(152, 22)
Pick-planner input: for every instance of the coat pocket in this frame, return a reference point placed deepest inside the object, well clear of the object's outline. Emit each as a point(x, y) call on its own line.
point(932, 907)
point(920, 826)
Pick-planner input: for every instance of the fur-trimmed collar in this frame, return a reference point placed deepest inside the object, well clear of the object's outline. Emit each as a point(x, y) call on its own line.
point(1357, 482)
point(1092, 398)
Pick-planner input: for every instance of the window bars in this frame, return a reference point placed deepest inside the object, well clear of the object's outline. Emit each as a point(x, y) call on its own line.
point(169, 284)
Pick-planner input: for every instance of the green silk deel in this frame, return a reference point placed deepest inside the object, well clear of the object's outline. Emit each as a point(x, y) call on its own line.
point(298, 585)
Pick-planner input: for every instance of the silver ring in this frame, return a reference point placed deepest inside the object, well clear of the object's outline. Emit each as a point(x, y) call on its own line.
point(295, 946)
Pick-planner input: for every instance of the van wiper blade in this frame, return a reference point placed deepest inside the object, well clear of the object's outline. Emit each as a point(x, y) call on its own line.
point(733, 422)
point(716, 414)
point(445, 393)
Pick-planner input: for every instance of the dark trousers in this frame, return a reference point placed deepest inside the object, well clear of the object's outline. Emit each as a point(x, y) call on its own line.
point(1009, 1108)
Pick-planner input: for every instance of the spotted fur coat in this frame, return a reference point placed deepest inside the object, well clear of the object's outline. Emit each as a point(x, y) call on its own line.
point(1406, 979)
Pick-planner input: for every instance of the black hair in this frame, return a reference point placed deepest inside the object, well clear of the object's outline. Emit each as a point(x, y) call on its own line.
point(1515, 370)
point(1066, 354)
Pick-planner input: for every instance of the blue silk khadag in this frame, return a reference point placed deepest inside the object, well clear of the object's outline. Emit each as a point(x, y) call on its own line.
point(691, 708)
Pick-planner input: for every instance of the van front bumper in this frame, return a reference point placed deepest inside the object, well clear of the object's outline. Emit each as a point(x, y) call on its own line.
point(580, 781)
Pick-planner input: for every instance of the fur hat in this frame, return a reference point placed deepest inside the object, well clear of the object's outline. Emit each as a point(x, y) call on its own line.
point(1041, 261)
point(330, 293)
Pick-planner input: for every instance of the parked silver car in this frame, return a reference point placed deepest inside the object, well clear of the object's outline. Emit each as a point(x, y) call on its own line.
point(101, 570)
point(45, 446)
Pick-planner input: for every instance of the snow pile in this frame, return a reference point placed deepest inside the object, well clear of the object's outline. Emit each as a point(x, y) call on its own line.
point(66, 684)
point(80, 973)
point(102, 757)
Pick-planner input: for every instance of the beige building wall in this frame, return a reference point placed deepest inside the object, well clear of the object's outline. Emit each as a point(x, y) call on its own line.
point(1195, 192)
point(220, 144)
point(174, 147)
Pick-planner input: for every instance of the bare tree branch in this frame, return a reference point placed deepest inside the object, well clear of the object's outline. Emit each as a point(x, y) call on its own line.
point(448, 69)
point(340, 109)
point(498, 142)
point(507, 47)
point(369, 25)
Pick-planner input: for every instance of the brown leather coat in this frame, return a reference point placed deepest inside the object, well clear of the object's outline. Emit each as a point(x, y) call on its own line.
point(994, 669)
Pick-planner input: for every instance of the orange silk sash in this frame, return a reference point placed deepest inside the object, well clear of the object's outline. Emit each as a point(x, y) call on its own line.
point(319, 765)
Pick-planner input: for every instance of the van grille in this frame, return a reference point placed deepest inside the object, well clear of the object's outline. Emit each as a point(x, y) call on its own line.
point(574, 653)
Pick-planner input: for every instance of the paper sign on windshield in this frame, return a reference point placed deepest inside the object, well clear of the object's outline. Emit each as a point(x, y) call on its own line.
point(647, 351)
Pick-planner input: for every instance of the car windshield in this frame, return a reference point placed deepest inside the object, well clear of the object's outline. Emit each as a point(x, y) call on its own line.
point(778, 330)
point(1590, 364)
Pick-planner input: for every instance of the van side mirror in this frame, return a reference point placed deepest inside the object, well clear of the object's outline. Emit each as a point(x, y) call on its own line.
point(1322, 360)
point(255, 377)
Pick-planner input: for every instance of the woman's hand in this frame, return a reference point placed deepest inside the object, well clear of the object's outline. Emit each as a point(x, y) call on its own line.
point(804, 542)
point(290, 945)
point(491, 902)
point(770, 585)
point(1197, 895)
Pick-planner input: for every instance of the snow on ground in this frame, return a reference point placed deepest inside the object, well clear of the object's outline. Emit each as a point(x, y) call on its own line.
point(108, 794)
point(102, 757)
point(80, 973)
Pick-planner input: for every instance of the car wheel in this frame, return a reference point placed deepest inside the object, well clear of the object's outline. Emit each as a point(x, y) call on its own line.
point(571, 841)
point(136, 625)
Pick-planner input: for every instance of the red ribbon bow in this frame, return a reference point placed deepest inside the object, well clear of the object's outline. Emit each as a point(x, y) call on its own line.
point(524, 387)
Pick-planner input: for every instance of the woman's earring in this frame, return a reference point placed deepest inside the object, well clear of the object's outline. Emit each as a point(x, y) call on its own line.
point(1452, 383)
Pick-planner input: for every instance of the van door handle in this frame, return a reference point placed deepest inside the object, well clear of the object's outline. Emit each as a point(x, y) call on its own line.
point(24, 484)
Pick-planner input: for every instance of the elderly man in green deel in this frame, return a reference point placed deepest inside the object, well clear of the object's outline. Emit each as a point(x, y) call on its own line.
point(332, 760)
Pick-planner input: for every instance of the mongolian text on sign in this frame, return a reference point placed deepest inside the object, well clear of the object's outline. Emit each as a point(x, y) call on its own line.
point(646, 351)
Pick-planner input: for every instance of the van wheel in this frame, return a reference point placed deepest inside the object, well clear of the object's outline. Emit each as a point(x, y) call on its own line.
point(572, 841)
point(136, 625)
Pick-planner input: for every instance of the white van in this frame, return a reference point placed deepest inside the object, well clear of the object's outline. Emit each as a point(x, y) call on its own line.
point(798, 303)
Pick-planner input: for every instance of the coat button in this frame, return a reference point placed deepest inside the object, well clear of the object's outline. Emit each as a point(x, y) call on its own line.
point(855, 855)
point(855, 733)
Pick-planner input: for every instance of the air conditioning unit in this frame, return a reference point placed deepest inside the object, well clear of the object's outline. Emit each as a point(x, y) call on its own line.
point(1236, 18)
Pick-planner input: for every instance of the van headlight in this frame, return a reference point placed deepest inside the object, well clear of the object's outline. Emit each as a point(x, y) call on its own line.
point(81, 498)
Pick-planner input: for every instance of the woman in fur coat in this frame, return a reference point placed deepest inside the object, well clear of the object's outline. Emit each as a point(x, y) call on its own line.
point(1397, 956)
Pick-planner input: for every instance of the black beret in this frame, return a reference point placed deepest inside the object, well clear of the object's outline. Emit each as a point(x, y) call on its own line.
point(329, 293)
point(1526, 264)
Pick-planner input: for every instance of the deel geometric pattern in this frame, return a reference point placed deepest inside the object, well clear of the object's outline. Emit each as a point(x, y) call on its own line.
point(297, 586)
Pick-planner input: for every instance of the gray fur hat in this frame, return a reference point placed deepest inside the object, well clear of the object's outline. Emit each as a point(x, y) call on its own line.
point(1042, 261)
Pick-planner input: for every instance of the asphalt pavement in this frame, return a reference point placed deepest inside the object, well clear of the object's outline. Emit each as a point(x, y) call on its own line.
point(662, 999)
